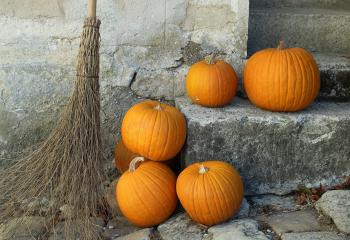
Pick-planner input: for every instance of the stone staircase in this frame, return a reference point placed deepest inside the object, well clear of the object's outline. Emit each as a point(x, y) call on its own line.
point(277, 152)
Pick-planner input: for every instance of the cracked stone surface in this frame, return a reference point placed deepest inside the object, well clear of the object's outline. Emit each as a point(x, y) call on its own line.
point(313, 236)
point(144, 234)
point(265, 204)
point(246, 229)
point(299, 221)
point(336, 205)
point(181, 227)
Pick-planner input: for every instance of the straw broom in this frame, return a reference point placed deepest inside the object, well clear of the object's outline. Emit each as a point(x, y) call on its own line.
point(67, 168)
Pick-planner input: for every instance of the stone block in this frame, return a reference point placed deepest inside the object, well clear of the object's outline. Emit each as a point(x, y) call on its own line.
point(274, 152)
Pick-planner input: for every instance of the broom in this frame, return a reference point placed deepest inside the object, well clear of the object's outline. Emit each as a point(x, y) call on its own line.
point(67, 168)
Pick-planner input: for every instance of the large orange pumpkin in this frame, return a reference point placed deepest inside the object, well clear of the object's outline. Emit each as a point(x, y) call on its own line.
point(146, 194)
point(154, 130)
point(282, 79)
point(211, 83)
point(211, 192)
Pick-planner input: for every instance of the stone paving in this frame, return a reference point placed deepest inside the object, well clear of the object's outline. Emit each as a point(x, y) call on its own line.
point(266, 217)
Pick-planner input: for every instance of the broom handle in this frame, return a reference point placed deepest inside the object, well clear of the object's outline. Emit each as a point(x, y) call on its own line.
point(92, 8)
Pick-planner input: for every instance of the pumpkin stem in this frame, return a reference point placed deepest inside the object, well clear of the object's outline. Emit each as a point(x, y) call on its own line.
point(203, 169)
point(281, 45)
point(158, 107)
point(132, 166)
point(211, 58)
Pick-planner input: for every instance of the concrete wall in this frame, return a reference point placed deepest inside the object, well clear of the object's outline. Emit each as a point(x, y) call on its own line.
point(147, 46)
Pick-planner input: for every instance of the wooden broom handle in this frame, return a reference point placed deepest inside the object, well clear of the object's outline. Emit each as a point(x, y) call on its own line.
point(92, 8)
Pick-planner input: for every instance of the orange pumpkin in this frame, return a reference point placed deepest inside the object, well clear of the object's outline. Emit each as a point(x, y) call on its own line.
point(154, 130)
point(123, 157)
point(146, 194)
point(282, 79)
point(211, 83)
point(211, 192)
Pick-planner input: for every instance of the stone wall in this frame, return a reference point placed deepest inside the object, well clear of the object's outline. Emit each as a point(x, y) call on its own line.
point(147, 47)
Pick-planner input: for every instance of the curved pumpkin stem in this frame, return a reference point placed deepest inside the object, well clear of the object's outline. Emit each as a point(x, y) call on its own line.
point(158, 107)
point(211, 58)
point(281, 45)
point(132, 166)
point(203, 169)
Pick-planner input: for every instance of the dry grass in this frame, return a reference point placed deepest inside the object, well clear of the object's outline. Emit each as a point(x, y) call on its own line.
point(67, 168)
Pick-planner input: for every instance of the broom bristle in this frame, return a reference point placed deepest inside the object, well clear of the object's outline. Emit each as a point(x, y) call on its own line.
point(67, 168)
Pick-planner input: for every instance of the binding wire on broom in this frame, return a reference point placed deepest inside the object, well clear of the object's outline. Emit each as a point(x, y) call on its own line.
point(67, 168)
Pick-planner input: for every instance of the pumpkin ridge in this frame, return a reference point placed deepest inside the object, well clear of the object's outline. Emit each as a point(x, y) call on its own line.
point(191, 206)
point(279, 77)
point(261, 72)
point(140, 199)
point(221, 190)
point(301, 77)
point(309, 76)
point(270, 58)
point(314, 75)
point(216, 198)
point(228, 183)
point(287, 79)
point(234, 191)
point(194, 193)
point(201, 204)
point(232, 172)
point(152, 131)
point(146, 187)
point(168, 134)
point(304, 68)
point(144, 114)
point(157, 183)
point(220, 78)
point(205, 192)
point(294, 62)
point(226, 80)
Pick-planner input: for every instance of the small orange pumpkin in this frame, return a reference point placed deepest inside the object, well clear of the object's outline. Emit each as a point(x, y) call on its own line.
point(154, 130)
point(123, 157)
point(211, 83)
point(282, 79)
point(211, 192)
point(146, 194)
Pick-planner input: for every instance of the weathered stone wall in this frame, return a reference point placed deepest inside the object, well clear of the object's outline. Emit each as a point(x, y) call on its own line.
point(147, 47)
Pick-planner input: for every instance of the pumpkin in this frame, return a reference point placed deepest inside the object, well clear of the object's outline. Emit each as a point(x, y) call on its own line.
point(146, 194)
point(123, 157)
point(211, 83)
point(211, 192)
point(282, 79)
point(154, 130)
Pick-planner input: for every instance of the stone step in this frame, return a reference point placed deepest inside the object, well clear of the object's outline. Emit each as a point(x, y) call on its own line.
point(318, 30)
point(335, 76)
point(274, 152)
point(328, 4)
